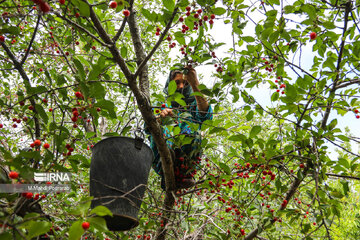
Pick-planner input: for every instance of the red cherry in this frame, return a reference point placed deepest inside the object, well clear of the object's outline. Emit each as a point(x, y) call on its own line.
point(181, 19)
point(13, 175)
point(126, 13)
point(212, 16)
point(211, 22)
point(78, 94)
point(199, 11)
point(357, 116)
point(77, 15)
point(85, 225)
point(313, 35)
point(113, 4)
point(50, 109)
point(301, 165)
point(37, 142)
point(188, 8)
point(62, 1)
point(46, 145)
point(29, 195)
point(1, 125)
point(45, 7)
point(93, 47)
point(206, 18)
point(2, 39)
point(98, 109)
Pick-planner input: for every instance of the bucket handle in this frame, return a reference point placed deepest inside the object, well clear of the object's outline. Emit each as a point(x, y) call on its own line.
point(139, 139)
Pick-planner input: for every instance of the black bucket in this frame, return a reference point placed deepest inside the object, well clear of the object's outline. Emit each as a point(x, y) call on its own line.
point(119, 173)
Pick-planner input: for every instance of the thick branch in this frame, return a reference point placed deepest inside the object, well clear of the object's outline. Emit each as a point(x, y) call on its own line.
point(140, 55)
point(20, 69)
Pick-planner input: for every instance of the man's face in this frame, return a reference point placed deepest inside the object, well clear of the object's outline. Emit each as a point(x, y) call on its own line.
point(180, 82)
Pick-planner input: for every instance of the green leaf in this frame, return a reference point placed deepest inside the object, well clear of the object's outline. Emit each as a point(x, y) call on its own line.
point(197, 94)
point(90, 134)
point(6, 236)
point(219, 11)
point(172, 88)
point(97, 90)
point(248, 39)
point(336, 194)
point(80, 68)
point(332, 124)
point(274, 96)
point(38, 228)
point(179, 36)
point(225, 167)
point(12, 30)
point(101, 211)
point(36, 90)
point(255, 130)
point(40, 110)
point(98, 223)
point(183, 3)
point(169, 4)
point(176, 130)
point(250, 115)
point(123, 51)
point(343, 137)
point(291, 94)
point(76, 231)
point(148, 15)
point(84, 9)
point(237, 138)
point(108, 105)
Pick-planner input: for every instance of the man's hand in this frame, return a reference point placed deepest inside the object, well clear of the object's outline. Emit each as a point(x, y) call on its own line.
point(166, 112)
point(191, 77)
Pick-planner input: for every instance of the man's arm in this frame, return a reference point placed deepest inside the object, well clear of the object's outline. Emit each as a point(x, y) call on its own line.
point(192, 79)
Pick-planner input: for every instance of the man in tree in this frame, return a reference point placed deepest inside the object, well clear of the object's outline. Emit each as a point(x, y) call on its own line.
point(189, 119)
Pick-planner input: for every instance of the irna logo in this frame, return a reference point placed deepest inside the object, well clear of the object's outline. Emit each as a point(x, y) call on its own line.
point(52, 177)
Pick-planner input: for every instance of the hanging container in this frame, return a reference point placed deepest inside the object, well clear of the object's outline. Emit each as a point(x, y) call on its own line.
point(119, 173)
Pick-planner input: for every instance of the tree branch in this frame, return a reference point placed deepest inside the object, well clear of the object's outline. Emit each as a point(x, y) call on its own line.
point(26, 79)
point(333, 89)
point(348, 83)
point(31, 41)
point(162, 36)
point(81, 28)
point(341, 176)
